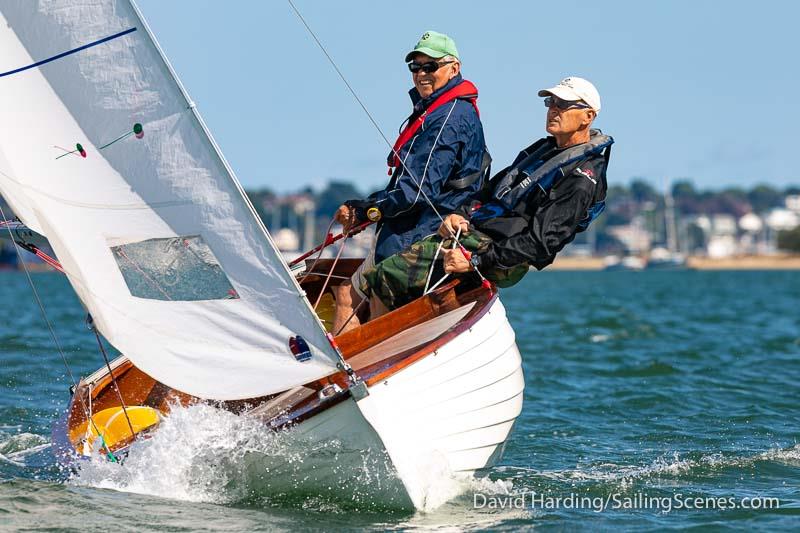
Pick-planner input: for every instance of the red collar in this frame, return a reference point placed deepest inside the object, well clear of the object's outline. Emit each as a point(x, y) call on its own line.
point(465, 90)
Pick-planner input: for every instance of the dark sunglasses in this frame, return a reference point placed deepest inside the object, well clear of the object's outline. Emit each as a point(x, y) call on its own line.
point(563, 105)
point(428, 68)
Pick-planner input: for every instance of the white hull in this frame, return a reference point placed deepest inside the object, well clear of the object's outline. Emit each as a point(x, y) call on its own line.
point(439, 420)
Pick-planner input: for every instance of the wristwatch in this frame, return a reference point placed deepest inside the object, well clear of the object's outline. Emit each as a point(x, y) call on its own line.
point(475, 261)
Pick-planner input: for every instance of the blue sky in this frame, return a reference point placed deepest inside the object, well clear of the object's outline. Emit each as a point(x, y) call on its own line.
point(691, 89)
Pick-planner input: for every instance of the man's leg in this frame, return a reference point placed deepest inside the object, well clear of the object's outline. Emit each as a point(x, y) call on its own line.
point(400, 278)
point(349, 298)
point(347, 302)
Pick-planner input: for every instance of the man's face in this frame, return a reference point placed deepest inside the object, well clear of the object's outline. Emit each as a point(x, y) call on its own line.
point(427, 83)
point(566, 121)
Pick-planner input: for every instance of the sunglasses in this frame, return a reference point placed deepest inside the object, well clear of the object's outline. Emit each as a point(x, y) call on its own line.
point(428, 68)
point(563, 105)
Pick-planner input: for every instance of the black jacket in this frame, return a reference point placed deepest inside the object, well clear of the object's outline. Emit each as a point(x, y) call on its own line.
point(537, 230)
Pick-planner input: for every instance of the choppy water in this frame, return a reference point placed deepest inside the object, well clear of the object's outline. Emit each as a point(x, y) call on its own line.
point(639, 385)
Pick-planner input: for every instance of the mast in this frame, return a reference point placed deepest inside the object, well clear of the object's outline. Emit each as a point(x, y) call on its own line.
point(669, 220)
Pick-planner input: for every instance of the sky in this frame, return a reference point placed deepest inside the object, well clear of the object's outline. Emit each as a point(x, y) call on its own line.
point(699, 90)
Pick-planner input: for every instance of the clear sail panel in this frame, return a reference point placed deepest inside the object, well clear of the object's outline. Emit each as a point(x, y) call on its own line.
point(178, 268)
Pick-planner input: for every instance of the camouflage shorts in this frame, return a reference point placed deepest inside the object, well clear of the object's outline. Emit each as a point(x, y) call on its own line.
point(400, 278)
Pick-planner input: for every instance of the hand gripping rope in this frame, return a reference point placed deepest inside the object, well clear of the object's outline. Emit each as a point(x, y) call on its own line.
point(485, 283)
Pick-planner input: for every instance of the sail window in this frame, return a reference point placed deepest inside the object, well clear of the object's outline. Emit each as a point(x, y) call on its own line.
point(174, 268)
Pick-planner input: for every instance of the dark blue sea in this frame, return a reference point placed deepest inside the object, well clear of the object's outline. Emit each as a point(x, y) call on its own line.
point(654, 400)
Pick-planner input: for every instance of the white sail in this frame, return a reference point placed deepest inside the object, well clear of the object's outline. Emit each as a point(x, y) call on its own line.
point(155, 233)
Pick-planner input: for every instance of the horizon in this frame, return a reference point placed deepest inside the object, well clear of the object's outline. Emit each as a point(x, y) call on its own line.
point(678, 95)
point(318, 188)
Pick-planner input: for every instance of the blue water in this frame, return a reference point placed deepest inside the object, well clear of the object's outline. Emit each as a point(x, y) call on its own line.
point(659, 385)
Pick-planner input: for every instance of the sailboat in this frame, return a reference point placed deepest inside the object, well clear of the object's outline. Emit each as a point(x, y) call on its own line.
point(669, 258)
point(105, 155)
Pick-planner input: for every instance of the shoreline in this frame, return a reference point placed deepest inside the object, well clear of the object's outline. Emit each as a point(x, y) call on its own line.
point(744, 262)
point(568, 263)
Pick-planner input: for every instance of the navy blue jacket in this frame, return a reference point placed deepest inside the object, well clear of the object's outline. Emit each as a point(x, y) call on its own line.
point(451, 144)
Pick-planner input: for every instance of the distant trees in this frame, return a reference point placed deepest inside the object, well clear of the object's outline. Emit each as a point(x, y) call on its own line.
point(764, 197)
point(642, 191)
point(258, 198)
point(336, 193)
point(790, 240)
point(733, 200)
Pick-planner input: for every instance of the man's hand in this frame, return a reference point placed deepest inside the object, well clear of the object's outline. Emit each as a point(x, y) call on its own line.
point(455, 262)
point(451, 224)
point(345, 216)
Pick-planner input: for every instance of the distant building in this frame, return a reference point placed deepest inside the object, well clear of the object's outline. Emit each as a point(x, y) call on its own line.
point(782, 219)
point(294, 212)
point(753, 237)
point(723, 225)
point(721, 246)
point(286, 240)
point(792, 202)
point(634, 236)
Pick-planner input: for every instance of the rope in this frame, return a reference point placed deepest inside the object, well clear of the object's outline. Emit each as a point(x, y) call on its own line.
point(435, 142)
point(111, 373)
point(355, 311)
point(35, 250)
point(319, 254)
point(53, 335)
point(328, 277)
point(433, 264)
point(330, 274)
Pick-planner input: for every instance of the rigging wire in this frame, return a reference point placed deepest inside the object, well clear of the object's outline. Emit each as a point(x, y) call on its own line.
point(433, 264)
point(38, 299)
point(383, 136)
point(355, 311)
point(330, 273)
point(90, 320)
point(310, 270)
point(364, 107)
point(53, 335)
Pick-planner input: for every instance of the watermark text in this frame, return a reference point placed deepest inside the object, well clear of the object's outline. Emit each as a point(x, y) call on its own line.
point(618, 501)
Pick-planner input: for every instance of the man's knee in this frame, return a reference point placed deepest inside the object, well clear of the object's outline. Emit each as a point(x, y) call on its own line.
point(344, 294)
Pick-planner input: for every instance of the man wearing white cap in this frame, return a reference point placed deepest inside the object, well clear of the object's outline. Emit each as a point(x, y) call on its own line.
point(529, 212)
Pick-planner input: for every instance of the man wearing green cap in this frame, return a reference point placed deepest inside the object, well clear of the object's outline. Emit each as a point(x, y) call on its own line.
point(438, 163)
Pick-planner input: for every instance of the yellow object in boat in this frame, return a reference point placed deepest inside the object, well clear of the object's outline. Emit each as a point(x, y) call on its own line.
point(113, 425)
point(326, 310)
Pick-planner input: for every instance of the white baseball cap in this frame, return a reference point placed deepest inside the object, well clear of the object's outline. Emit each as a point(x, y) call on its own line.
point(575, 88)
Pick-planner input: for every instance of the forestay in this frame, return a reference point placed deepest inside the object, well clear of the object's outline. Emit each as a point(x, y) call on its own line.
point(155, 233)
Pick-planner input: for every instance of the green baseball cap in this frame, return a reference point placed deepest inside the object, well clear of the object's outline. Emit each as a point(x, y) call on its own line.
point(434, 44)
